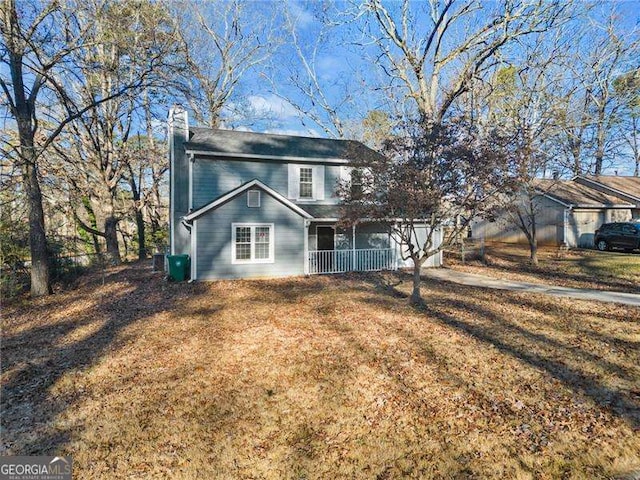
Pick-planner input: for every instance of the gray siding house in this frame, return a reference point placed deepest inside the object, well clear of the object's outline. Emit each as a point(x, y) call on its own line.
point(568, 212)
point(251, 205)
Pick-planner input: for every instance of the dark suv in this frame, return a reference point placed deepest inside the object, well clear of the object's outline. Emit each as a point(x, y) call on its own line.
point(625, 235)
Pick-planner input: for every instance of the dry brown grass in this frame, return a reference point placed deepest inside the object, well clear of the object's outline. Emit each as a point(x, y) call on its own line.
point(320, 378)
point(614, 271)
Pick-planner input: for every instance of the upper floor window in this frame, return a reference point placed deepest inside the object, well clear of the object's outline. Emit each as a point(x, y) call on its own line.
point(356, 184)
point(306, 182)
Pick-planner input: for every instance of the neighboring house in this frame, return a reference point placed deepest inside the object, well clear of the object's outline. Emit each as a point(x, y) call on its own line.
point(568, 212)
point(246, 204)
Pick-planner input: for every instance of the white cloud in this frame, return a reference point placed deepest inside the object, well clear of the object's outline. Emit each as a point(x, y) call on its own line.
point(330, 65)
point(243, 128)
point(303, 132)
point(300, 16)
point(271, 105)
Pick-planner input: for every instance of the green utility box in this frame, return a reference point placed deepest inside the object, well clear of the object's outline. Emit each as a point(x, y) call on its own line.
point(178, 267)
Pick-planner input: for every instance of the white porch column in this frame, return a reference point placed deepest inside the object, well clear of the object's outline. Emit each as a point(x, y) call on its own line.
point(353, 247)
point(306, 246)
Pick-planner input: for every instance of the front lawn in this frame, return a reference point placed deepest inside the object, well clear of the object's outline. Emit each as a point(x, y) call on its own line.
point(323, 377)
point(615, 271)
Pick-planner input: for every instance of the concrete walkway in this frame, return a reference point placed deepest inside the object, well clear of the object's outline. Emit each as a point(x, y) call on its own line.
point(474, 280)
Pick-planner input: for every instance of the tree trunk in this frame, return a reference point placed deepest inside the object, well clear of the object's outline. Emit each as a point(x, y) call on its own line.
point(25, 114)
point(40, 276)
point(142, 249)
point(111, 237)
point(416, 297)
point(600, 143)
point(533, 252)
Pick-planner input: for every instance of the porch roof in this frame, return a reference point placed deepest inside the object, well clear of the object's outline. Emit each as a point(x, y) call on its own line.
point(321, 211)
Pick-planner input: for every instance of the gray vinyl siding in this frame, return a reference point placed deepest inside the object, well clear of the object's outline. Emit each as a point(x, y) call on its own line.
point(214, 237)
point(213, 178)
point(368, 235)
point(179, 189)
point(549, 222)
point(421, 233)
point(372, 235)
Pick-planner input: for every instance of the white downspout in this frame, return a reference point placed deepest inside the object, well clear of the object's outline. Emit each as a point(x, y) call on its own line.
point(192, 160)
point(566, 228)
point(353, 247)
point(306, 246)
point(194, 251)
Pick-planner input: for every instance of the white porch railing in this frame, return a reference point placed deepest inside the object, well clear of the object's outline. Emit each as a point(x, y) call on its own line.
point(359, 260)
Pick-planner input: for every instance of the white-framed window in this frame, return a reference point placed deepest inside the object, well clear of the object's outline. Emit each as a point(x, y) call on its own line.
point(252, 243)
point(253, 198)
point(306, 182)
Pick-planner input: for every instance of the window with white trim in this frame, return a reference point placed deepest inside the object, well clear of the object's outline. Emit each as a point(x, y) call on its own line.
point(306, 182)
point(252, 243)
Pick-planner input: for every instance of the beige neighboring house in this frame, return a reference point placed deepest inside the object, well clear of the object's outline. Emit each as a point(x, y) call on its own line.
point(568, 212)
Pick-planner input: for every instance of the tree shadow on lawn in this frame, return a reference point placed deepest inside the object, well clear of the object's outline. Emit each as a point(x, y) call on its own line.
point(554, 270)
point(41, 352)
point(35, 358)
point(536, 349)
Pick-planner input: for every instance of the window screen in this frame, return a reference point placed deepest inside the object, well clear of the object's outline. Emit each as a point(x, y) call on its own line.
point(306, 182)
point(243, 243)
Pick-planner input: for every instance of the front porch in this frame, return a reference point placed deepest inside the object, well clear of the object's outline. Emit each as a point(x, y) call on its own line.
point(367, 247)
point(354, 260)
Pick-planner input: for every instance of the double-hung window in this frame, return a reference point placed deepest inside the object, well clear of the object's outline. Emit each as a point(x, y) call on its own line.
point(306, 182)
point(252, 243)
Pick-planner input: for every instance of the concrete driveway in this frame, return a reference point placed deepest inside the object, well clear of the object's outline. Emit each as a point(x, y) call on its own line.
point(474, 280)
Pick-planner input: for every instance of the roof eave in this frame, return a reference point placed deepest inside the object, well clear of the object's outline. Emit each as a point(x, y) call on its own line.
point(280, 158)
point(615, 190)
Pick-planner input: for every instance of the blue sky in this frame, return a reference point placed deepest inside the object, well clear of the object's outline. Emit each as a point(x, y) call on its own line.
point(345, 66)
point(342, 68)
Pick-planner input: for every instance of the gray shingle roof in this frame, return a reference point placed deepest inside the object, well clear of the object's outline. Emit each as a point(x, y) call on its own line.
point(321, 211)
point(576, 194)
point(626, 184)
point(232, 141)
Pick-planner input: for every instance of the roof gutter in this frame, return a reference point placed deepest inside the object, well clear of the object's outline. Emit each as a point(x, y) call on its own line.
point(281, 158)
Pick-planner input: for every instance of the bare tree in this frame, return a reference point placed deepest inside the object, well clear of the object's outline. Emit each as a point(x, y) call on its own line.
point(36, 40)
point(522, 106)
point(146, 166)
point(221, 42)
point(627, 89)
point(131, 43)
point(590, 110)
point(39, 41)
point(433, 54)
point(428, 178)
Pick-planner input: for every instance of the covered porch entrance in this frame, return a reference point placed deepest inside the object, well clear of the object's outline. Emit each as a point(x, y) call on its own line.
point(362, 248)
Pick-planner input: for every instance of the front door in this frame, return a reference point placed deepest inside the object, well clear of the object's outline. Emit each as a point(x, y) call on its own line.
point(326, 238)
point(326, 245)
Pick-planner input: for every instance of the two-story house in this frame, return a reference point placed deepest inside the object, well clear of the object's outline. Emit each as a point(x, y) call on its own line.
point(246, 205)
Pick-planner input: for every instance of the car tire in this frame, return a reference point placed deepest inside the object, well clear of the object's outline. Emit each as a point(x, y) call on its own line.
point(602, 246)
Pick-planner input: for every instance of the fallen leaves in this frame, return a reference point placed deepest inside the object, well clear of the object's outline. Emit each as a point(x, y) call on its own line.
point(320, 377)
